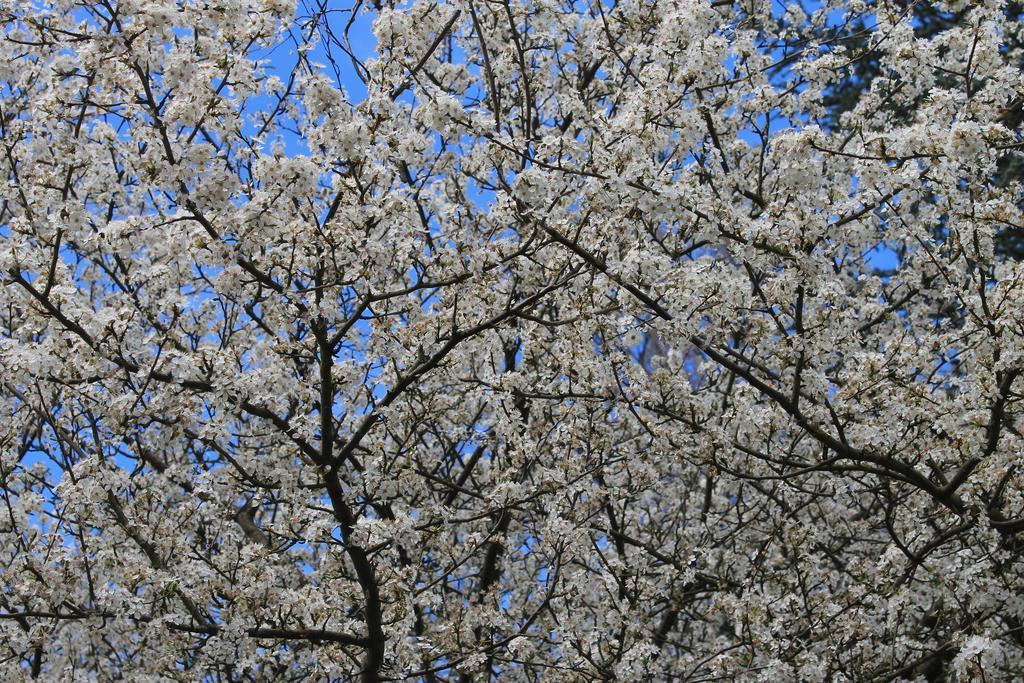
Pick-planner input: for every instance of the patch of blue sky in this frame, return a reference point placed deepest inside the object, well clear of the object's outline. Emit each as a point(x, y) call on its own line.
point(32, 458)
point(526, 546)
point(325, 54)
point(883, 259)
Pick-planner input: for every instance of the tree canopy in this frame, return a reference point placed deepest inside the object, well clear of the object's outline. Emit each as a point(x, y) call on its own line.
point(513, 340)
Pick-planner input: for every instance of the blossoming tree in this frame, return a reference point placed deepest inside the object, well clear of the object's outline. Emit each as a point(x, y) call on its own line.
point(543, 341)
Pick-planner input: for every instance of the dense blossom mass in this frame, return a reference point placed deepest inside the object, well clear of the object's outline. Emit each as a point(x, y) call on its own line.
point(518, 340)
